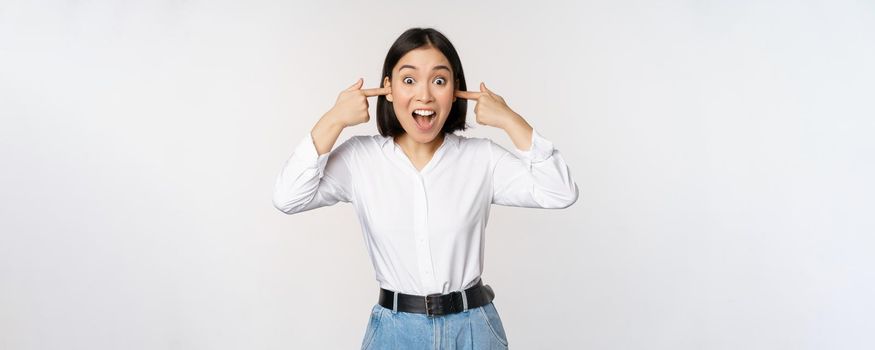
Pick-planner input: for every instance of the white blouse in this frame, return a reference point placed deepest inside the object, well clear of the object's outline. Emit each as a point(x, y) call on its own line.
point(424, 230)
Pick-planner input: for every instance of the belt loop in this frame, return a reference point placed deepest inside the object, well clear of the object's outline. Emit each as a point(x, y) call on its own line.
point(464, 300)
point(395, 302)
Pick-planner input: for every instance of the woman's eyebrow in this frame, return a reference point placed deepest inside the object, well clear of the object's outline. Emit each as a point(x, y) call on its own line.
point(435, 68)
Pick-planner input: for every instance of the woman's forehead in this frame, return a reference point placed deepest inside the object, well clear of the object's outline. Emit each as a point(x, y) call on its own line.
point(423, 59)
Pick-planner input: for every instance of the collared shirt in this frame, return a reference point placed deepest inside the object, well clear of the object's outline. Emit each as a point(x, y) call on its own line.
point(424, 229)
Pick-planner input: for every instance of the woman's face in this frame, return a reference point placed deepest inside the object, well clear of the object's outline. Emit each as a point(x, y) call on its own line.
point(423, 92)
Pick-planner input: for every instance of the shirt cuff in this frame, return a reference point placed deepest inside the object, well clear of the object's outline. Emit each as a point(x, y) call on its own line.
point(541, 149)
point(307, 155)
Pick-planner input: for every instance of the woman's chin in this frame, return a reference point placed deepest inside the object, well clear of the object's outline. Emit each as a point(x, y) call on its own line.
point(423, 136)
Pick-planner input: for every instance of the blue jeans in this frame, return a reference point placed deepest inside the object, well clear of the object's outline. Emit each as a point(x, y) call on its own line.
point(474, 329)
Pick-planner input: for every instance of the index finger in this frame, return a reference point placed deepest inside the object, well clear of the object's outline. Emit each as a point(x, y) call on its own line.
point(468, 95)
point(377, 91)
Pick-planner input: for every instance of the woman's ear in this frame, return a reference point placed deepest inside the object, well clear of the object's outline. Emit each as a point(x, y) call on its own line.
point(387, 83)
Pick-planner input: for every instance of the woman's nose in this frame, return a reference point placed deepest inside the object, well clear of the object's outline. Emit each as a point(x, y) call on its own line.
point(424, 94)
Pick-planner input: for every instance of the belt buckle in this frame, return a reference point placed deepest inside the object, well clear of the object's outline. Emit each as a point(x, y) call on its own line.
point(428, 304)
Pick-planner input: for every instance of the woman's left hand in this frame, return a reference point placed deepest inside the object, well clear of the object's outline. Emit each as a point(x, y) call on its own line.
point(491, 109)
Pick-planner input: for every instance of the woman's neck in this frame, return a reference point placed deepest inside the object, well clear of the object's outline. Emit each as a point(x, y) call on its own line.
point(418, 150)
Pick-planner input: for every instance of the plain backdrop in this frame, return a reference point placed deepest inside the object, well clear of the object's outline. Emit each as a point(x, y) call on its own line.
point(723, 149)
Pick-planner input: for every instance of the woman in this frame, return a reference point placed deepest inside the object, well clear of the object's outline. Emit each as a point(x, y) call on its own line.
point(422, 193)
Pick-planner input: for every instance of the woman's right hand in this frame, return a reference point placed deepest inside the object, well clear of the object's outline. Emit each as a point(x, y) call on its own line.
point(351, 107)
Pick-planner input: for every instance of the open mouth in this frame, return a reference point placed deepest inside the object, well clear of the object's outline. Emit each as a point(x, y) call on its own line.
point(424, 118)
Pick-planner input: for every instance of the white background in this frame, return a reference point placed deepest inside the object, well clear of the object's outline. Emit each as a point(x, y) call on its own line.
point(724, 152)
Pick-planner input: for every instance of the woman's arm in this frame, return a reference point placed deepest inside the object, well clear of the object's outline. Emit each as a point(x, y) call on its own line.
point(519, 131)
point(309, 180)
point(315, 175)
point(536, 178)
point(350, 109)
point(325, 133)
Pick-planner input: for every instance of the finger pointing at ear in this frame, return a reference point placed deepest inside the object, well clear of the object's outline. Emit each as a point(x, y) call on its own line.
point(351, 107)
point(377, 91)
point(468, 95)
point(491, 109)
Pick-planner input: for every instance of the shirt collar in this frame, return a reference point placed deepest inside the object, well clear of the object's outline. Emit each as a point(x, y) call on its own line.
point(450, 139)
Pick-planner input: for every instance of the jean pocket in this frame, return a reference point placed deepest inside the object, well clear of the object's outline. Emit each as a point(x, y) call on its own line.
point(373, 325)
point(493, 322)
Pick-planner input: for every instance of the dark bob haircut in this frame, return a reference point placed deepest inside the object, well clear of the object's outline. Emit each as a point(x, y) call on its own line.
point(414, 38)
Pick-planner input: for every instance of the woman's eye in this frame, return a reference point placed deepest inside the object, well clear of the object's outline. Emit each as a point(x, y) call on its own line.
point(440, 81)
point(408, 80)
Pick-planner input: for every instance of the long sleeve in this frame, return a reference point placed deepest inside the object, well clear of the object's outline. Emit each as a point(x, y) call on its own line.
point(309, 180)
point(537, 178)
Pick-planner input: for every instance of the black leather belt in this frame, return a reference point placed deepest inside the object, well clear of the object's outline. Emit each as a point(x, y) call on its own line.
point(438, 304)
